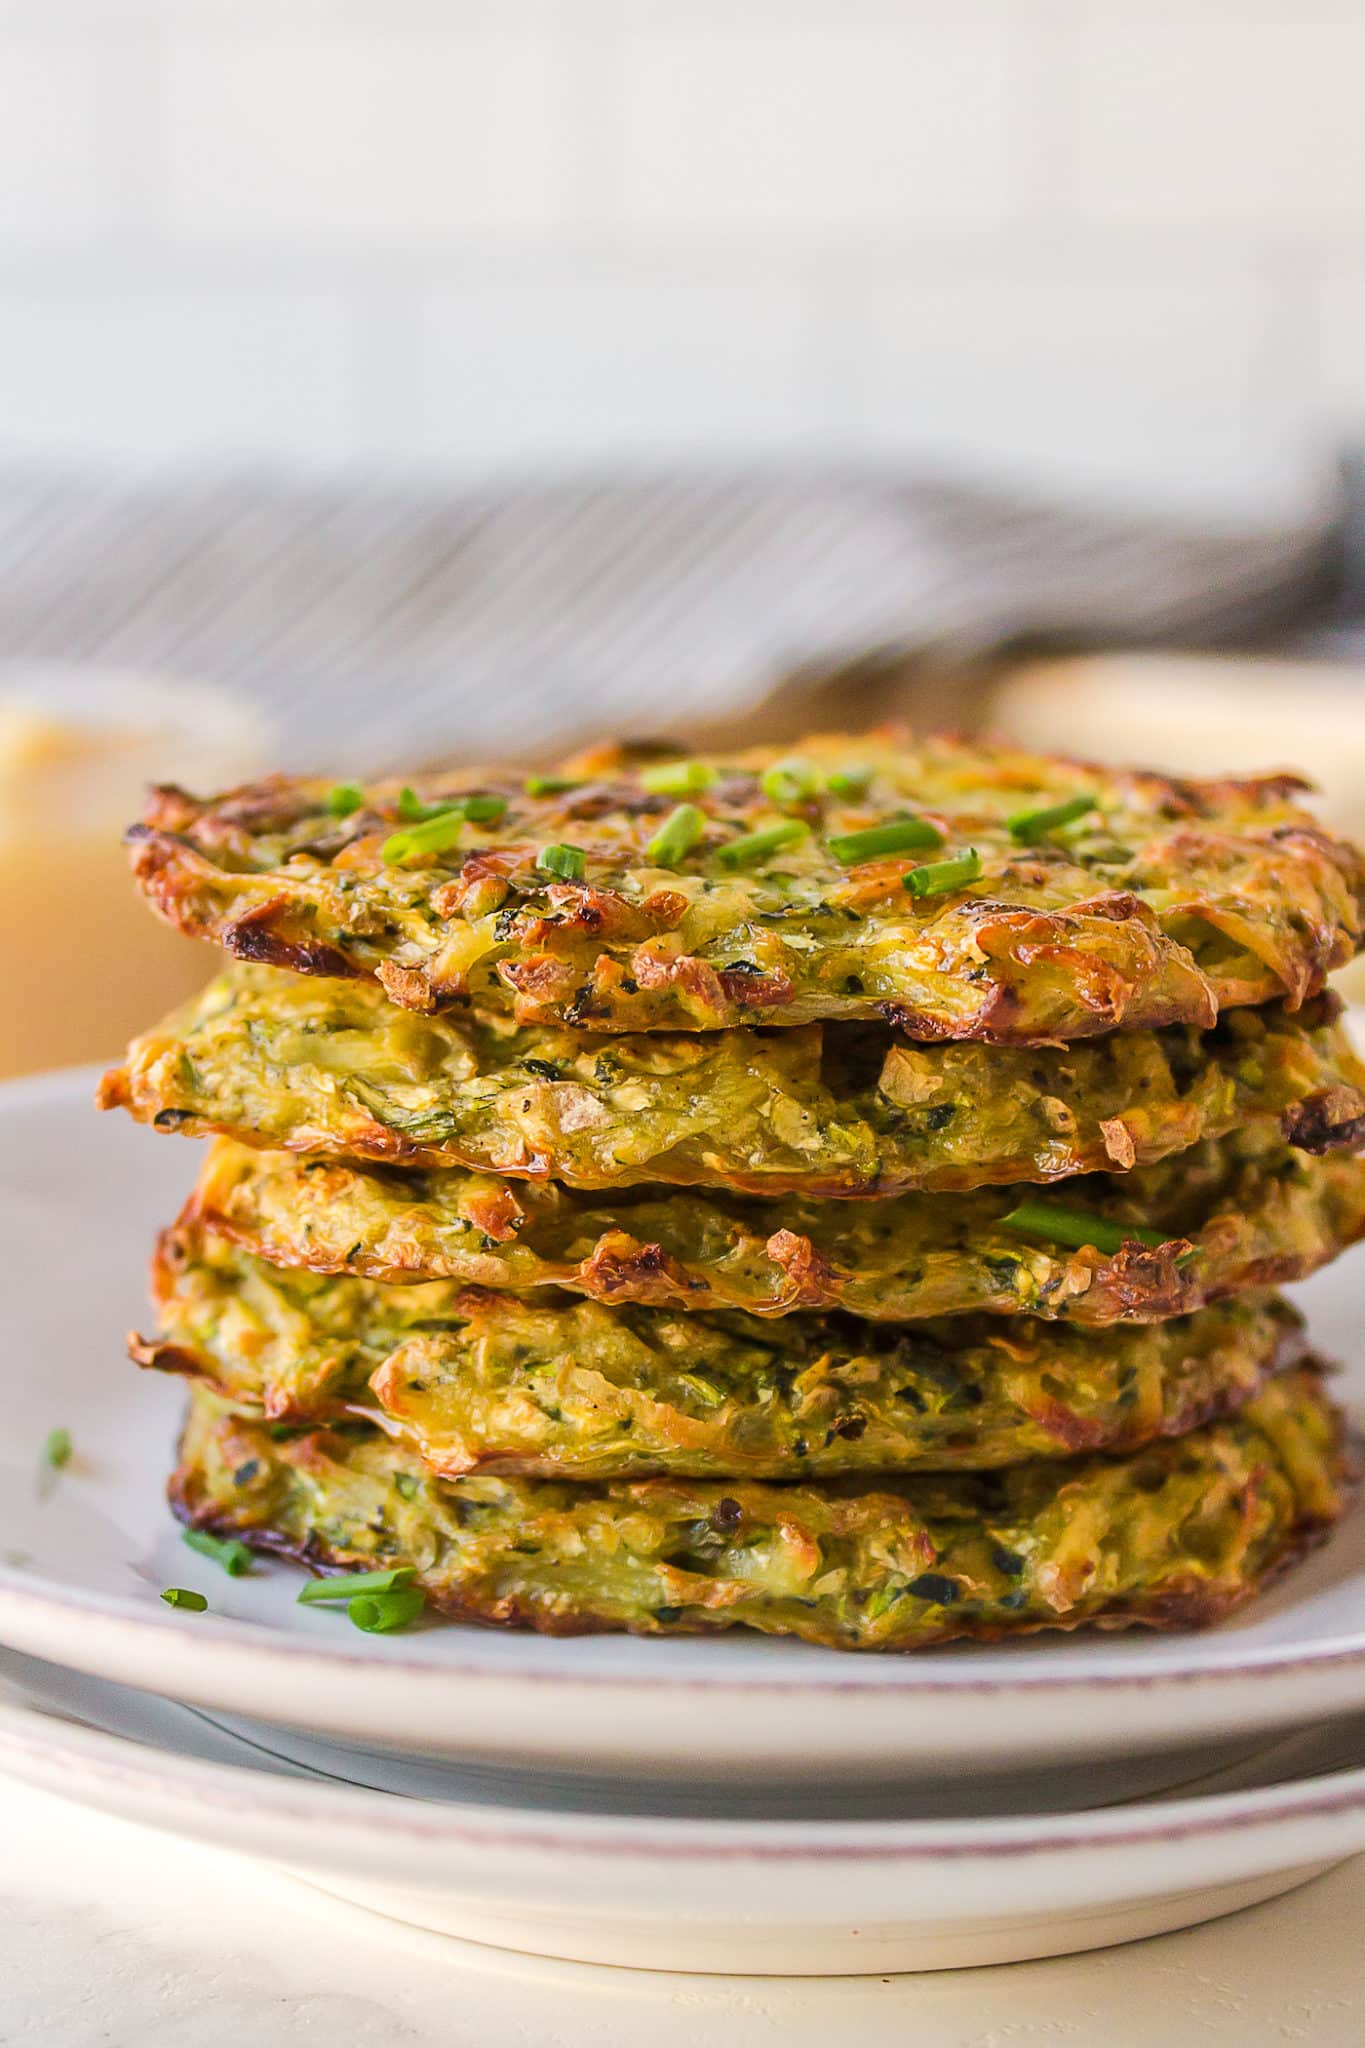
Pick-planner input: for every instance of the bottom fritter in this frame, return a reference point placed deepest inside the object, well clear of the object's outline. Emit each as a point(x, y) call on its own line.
point(1174, 1536)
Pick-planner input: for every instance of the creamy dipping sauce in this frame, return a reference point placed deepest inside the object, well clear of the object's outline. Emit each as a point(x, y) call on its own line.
point(84, 964)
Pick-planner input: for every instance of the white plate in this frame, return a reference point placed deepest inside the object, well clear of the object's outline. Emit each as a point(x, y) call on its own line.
point(1059, 1788)
point(80, 1198)
point(733, 1896)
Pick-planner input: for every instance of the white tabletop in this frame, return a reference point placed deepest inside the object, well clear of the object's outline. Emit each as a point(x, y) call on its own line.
point(112, 1937)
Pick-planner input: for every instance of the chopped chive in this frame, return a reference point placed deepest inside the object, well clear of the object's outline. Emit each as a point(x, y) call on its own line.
point(351, 1583)
point(678, 778)
point(937, 877)
point(181, 1596)
point(345, 797)
point(848, 781)
point(790, 782)
point(569, 862)
point(57, 1449)
point(377, 1613)
point(1076, 1228)
point(754, 846)
point(678, 834)
point(484, 810)
point(1030, 825)
point(233, 1556)
point(899, 835)
point(54, 1456)
point(549, 785)
point(413, 811)
point(433, 835)
point(407, 1486)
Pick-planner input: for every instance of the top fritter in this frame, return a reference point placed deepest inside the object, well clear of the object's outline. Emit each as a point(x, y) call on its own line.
point(959, 891)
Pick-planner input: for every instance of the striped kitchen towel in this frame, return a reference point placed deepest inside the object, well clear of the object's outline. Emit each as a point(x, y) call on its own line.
point(385, 623)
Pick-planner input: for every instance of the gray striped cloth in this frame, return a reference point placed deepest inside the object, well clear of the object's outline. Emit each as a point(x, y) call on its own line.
point(384, 623)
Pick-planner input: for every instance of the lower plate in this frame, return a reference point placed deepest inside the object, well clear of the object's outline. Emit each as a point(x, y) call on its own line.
point(755, 1896)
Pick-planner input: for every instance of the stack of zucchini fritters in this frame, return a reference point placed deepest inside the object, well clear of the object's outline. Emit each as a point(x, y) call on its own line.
point(632, 1203)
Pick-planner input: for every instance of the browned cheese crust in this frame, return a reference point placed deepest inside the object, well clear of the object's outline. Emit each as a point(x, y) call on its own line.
point(1246, 1212)
point(1163, 903)
point(317, 1066)
point(471, 1380)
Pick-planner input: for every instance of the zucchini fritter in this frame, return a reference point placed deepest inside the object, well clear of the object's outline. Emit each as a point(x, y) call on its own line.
point(473, 1380)
point(1174, 1536)
point(276, 1059)
point(1244, 1212)
point(1159, 902)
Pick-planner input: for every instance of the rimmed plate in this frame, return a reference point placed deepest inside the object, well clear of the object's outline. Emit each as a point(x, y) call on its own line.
point(737, 1896)
point(81, 1569)
point(1047, 1789)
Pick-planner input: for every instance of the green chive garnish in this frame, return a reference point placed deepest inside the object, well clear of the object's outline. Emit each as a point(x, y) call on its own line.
point(678, 834)
point(900, 835)
point(1076, 1228)
point(233, 1556)
point(753, 846)
point(790, 782)
point(549, 785)
point(481, 810)
point(569, 862)
point(345, 797)
point(848, 781)
point(57, 1449)
point(56, 1453)
point(407, 1486)
point(1030, 825)
point(181, 1596)
point(484, 810)
point(377, 1613)
point(351, 1583)
point(412, 810)
point(937, 877)
point(434, 835)
point(678, 778)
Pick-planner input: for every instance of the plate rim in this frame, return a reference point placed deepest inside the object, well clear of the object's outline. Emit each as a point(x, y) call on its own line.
point(19, 1587)
point(55, 1740)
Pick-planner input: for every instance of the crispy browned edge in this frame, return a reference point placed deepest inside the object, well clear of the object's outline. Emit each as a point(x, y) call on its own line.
point(1291, 1349)
point(1138, 1283)
point(1309, 1125)
point(161, 844)
point(1105, 998)
point(1181, 1608)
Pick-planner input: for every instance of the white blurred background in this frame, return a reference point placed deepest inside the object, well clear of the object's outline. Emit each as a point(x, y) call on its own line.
point(1079, 245)
point(386, 381)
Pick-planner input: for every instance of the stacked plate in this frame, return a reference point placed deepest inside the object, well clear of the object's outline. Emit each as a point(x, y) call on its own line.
point(1109, 1417)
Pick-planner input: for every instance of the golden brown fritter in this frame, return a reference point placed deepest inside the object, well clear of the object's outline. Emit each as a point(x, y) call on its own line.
point(473, 1380)
point(974, 910)
point(279, 1059)
point(1245, 1212)
point(1175, 1536)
